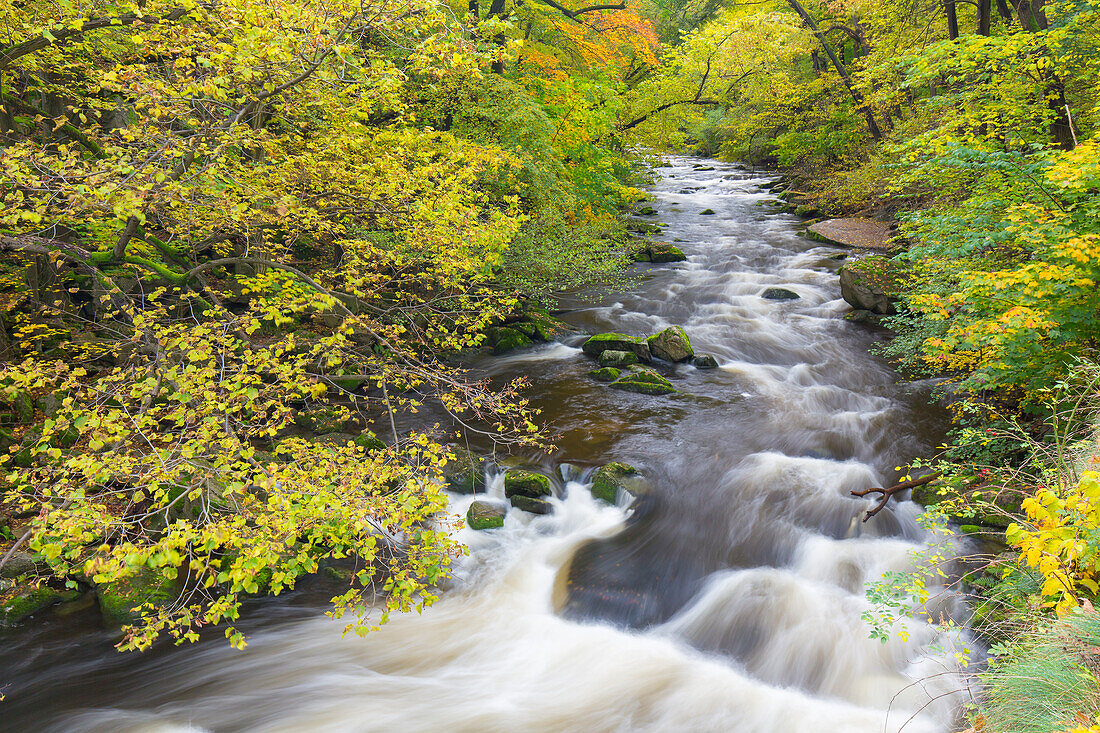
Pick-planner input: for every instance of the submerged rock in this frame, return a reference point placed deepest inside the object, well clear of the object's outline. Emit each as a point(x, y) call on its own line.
point(613, 358)
point(530, 504)
point(780, 294)
point(705, 361)
point(484, 515)
point(465, 474)
point(602, 342)
point(608, 481)
point(644, 381)
point(671, 344)
point(518, 482)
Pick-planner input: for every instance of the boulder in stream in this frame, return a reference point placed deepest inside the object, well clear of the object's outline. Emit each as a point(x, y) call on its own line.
point(602, 342)
point(661, 252)
point(518, 482)
point(485, 515)
point(613, 358)
point(605, 374)
point(705, 361)
point(644, 381)
point(779, 294)
point(530, 504)
point(671, 344)
point(465, 473)
point(119, 598)
point(504, 339)
point(707, 212)
point(610, 479)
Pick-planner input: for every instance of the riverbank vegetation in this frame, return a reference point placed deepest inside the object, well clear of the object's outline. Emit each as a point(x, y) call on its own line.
point(241, 238)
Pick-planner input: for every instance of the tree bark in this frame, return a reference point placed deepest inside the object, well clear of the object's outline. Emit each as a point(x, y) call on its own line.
point(857, 97)
point(985, 11)
point(952, 19)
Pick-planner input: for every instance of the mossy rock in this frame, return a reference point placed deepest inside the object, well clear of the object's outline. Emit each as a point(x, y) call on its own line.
point(671, 344)
point(864, 316)
point(605, 374)
point(119, 599)
point(707, 212)
point(661, 253)
point(518, 482)
point(644, 382)
point(641, 254)
point(779, 294)
point(368, 441)
point(23, 407)
point(346, 384)
point(608, 481)
point(27, 603)
point(465, 474)
point(602, 342)
point(526, 328)
point(613, 358)
point(504, 339)
point(547, 328)
point(647, 211)
point(705, 361)
point(483, 515)
point(530, 504)
point(321, 420)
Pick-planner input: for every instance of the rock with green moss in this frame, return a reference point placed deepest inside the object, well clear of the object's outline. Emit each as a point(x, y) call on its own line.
point(27, 603)
point(873, 283)
point(671, 344)
point(321, 419)
point(602, 342)
point(518, 482)
point(465, 473)
point(119, 599)
point(661, 252)
point(619, 359)
point(368, 441)
point(23, 407)
point(526, 328)
point(647, 211)
point(605, 374)
point(867, 317)
point(707, 212)
point(547, 328)
point(609, 480)
point(485, 515)
point(504, 339)
point(705, 361)
point(779, 294)
point(531, 504)
point(644, 381)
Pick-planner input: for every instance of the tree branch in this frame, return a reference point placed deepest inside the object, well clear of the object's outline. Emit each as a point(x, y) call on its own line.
point(887, 493)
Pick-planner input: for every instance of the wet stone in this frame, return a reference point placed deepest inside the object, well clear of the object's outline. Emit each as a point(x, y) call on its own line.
point(484, 515)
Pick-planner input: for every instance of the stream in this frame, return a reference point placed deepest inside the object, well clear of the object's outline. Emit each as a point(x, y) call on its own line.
point(729, 599)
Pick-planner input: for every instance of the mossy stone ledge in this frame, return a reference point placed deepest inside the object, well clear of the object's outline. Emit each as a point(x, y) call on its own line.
point(119, 599)
point(531, 505)
point(504, 339)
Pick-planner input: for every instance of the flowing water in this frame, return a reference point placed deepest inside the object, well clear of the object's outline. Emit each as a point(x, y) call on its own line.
point(727, 600)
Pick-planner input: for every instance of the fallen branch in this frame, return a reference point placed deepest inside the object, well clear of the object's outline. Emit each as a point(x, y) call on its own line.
point(887, 493)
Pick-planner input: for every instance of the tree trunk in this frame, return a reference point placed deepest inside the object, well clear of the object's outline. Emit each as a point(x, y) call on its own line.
point(1004, 10)
point(952, 19)
point(985, 11)
point(857, 97)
